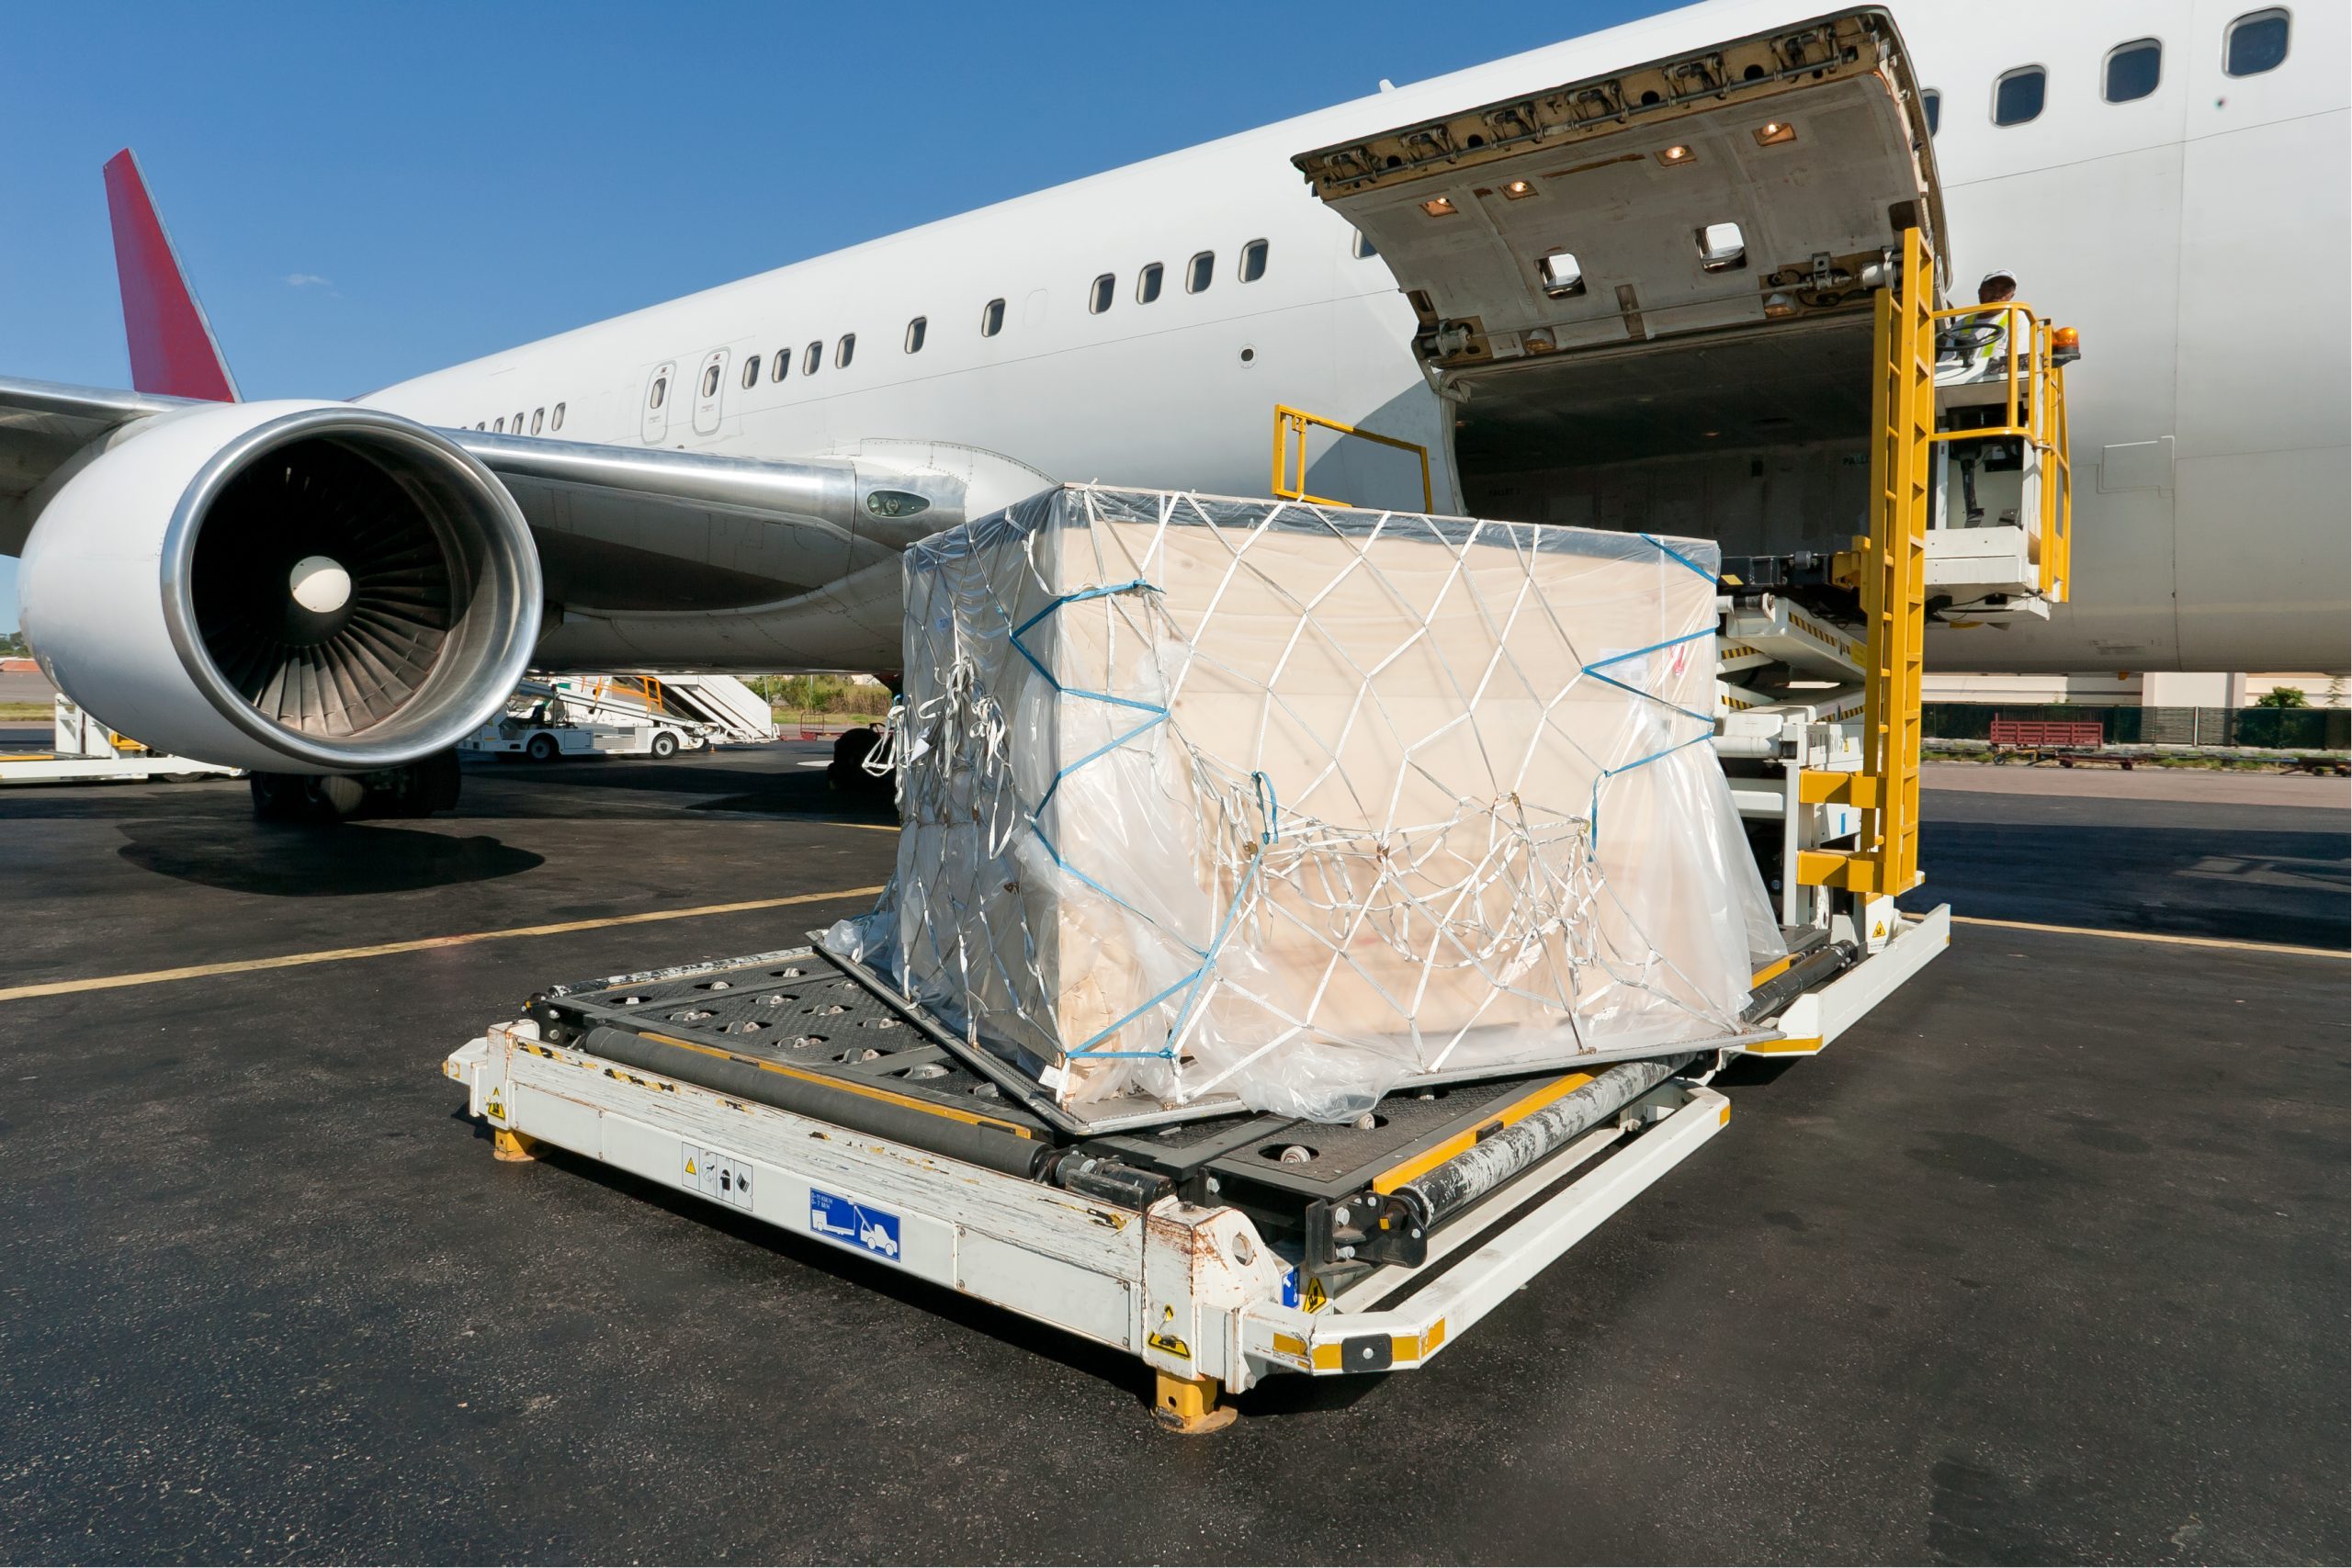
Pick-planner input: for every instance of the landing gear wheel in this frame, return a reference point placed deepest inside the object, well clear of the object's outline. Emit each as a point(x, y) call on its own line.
point(542, 747)
point(279, 798)
point(319, 799)
point(427, 786)
point(665, 745)
point(846, 774)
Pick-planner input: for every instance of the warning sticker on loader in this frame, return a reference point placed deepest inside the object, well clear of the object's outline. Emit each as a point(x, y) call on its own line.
point(715, 1174)
point(859, 1225)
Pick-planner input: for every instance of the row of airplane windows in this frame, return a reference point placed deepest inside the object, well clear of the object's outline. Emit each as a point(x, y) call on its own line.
point(2251, 45)
point(542, 418)
point(1199, 274)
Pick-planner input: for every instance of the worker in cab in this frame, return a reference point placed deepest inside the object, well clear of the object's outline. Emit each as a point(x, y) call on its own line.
point(1971, 347)
point(1972, 386)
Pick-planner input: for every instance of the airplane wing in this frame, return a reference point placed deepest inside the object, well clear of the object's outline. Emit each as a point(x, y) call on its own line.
point(333, 588)
point(618, 529)
point(42, 425)
point(311, 586)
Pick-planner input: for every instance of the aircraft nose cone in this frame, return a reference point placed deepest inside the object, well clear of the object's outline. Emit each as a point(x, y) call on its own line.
point(320, 585)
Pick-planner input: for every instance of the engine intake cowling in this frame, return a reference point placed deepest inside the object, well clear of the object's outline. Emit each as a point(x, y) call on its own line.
point(289, 587)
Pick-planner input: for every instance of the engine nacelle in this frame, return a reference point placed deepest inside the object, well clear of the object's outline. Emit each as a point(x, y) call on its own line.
point(289, 587)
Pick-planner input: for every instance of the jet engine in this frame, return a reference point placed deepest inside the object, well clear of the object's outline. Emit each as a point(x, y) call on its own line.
point(289, 587)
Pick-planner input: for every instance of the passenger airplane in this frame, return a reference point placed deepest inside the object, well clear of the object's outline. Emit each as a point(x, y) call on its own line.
point(1498, 265)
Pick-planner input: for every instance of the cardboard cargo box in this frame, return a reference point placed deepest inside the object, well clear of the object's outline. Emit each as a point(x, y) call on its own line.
point(1208, 798)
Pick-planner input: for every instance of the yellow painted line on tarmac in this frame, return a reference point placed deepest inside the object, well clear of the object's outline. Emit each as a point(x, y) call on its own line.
point(2288, 949)
point(421, 944)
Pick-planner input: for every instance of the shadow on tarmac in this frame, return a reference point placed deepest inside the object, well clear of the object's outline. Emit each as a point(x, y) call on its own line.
point(292, 862)
point(761, 785)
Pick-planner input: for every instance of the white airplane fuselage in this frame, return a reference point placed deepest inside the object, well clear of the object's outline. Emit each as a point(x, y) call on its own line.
point(2196, 236)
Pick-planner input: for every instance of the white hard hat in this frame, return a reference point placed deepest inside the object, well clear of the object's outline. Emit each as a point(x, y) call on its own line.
point(1997, 272)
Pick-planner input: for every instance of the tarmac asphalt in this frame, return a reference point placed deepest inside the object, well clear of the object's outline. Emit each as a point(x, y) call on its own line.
point(2046, 1260)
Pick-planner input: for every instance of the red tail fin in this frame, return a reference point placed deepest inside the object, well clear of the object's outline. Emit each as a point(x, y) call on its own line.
point(172, 350)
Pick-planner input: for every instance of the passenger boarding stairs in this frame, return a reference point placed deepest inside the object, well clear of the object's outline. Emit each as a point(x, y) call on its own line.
point(717, 709)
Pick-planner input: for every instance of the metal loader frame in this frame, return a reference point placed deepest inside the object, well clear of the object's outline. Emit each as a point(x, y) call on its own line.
point(1188, 1284)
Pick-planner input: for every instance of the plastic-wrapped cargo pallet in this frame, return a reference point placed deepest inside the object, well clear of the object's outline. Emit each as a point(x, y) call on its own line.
point(1211, 797)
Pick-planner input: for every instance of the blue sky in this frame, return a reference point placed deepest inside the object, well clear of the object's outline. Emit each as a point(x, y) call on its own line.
point(364, 192)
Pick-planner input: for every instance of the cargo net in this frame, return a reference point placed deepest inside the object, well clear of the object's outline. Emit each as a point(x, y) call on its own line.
point(1293, 804)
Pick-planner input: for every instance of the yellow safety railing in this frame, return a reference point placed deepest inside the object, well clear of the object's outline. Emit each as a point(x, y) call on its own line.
point(1290, 426)
point(2058, 499)
point(645, 689)
point(2033, 408)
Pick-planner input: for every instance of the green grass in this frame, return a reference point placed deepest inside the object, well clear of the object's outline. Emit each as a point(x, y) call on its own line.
point(823, 694)
point(26, 710)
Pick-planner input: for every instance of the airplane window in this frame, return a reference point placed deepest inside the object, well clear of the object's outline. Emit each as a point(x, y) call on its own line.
point(992, 318)
point(843, 349)
point(1253, 261)
point(1364, 251)
point(1563, 276)
point(2017, 96)
point(498, 426)
point(538, 417)
point(2257, 42)
point(750, 371)
point(1933, 102)
point(1147, 283)
point(710, 380)
point(781, 366)
point(1200, 272)
point(1722, 248)
point(811, 357)
point(2133, 70)
point(915, 330)
point(518, 421)
point(555, 420)
point(1099, 299)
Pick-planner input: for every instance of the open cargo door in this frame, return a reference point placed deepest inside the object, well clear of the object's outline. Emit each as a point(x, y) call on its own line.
point(1680, 251)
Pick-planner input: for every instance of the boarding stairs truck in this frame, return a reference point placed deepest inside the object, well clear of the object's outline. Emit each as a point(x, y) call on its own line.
point(553, 716)
point(726, 711)
point(1768, 268)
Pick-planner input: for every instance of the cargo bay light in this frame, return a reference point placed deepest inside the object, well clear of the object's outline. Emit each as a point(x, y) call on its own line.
point(1225, 1249)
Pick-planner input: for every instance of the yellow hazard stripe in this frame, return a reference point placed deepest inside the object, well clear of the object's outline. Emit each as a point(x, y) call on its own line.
point(1328, 1357)
point(1799, 1046)
point(869, 1091)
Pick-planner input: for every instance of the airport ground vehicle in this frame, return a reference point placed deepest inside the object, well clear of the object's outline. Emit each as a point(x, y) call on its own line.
point(84, 751)
point(553, 716)
point(795, 1086)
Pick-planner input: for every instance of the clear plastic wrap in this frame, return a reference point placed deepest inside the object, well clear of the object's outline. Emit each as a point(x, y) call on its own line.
point(1212, 797)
